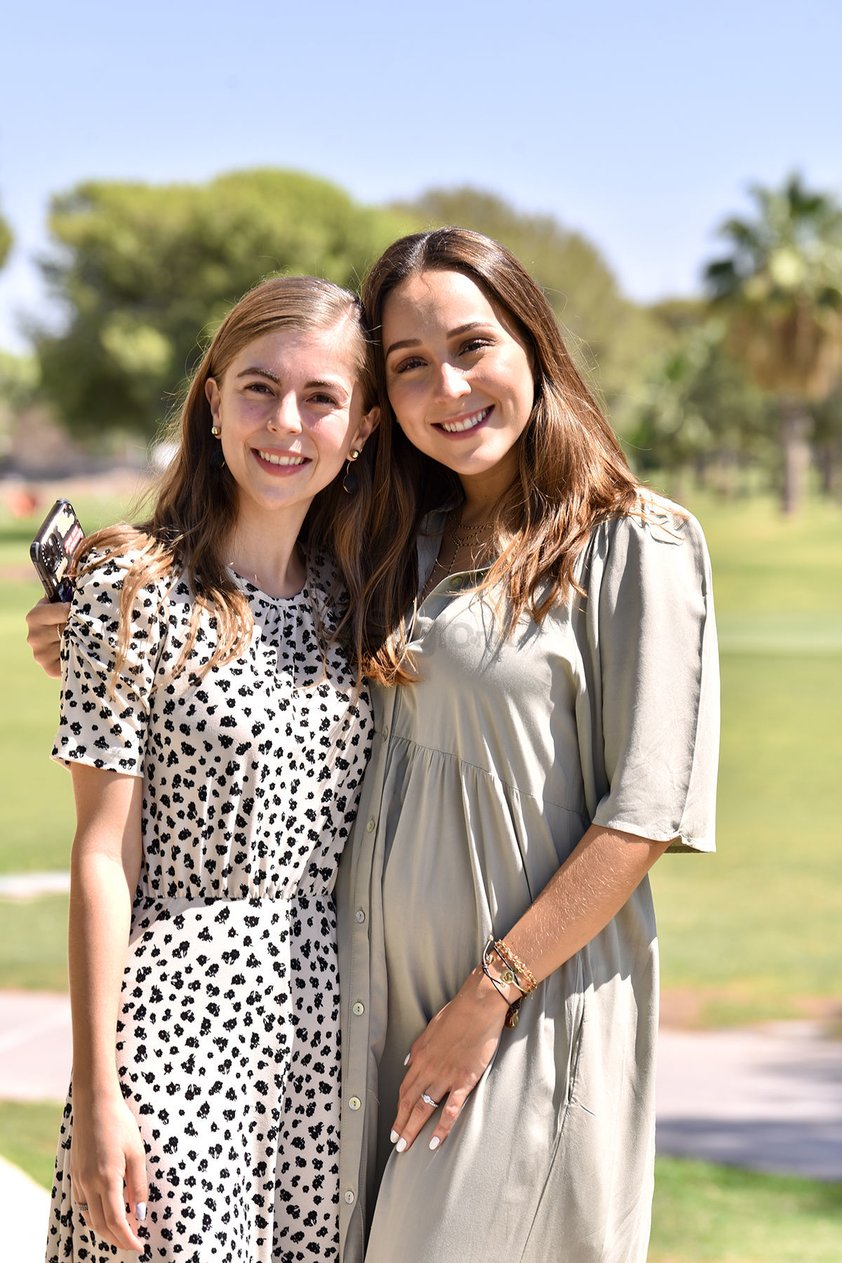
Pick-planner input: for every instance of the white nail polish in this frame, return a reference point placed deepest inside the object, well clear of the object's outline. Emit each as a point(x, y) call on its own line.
point(407, 1058)
point(435, 1142)
point(140, 1211)
point(393, 1136)
point(401, 1145)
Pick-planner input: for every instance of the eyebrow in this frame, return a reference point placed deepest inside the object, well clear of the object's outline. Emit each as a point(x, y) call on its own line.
point(317, 383)
point(452, 333)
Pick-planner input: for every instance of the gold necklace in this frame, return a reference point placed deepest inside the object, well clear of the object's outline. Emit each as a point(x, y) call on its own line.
point(461, 538)
point(470, 536)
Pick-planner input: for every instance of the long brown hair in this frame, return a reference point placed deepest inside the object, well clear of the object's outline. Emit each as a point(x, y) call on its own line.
point(196, 503)
point(571, 470)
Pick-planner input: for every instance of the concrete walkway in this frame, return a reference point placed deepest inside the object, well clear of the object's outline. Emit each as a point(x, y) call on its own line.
point(769, 1100)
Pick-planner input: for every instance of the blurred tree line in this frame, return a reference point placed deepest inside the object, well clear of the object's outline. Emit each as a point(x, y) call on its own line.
point(739, 389)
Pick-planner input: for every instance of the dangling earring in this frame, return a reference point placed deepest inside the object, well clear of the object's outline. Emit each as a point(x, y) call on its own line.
point(350, 483)
point(217, 460)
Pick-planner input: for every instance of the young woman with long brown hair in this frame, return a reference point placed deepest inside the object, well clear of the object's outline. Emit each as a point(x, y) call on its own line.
point(546, 727)
point(216, 736)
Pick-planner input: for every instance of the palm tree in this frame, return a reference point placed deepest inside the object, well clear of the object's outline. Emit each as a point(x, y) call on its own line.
point(782, 286)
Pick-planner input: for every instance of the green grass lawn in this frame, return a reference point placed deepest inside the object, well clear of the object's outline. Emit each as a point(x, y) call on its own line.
point(33, 943)
point(750, 933)
point(713, 1214)
point(29, 1135)
point(702, 1213)
point(754, 932)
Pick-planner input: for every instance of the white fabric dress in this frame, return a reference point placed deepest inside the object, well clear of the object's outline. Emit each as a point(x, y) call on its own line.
point(227, 1044)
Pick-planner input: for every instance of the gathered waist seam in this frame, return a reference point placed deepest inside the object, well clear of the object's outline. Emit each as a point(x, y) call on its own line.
point(186, 901)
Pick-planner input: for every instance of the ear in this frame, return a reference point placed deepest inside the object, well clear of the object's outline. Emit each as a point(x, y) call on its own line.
point(212, 396)
point(366, 428)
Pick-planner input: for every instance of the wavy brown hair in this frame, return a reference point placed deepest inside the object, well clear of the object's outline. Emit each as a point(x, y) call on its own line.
point(571, 470)
point(196, 501)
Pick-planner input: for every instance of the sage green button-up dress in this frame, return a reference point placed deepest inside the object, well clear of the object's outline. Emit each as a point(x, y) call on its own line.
point(484, 776)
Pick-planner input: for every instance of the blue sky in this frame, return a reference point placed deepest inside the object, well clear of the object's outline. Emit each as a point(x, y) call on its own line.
point(639, 124)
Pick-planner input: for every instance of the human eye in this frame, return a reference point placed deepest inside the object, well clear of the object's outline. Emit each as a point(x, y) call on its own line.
point(408, 364)
point(475, 344)
point(324, 399)
point(258, 387)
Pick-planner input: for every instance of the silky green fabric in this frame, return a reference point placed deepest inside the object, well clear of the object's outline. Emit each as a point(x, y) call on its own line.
point(484, 776)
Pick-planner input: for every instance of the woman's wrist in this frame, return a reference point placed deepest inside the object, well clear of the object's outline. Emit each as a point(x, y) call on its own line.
point(489, 986)
point(91, 1086)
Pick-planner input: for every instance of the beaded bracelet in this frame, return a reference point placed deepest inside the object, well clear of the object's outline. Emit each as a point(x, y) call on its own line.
point(521, 975)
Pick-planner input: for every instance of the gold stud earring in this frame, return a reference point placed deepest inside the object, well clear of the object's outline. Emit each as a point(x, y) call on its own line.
point(216, 430)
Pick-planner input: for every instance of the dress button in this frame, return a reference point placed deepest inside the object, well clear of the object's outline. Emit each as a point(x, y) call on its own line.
point(386, 732)
point(370, 825)
point(360, 915)
point(358, 1008)
point(354, 1103)
point(349, 1197)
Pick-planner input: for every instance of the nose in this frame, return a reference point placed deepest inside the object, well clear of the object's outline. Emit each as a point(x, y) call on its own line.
point(286, 417)
point(452, 382)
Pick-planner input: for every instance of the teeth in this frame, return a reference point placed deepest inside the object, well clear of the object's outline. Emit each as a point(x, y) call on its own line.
point(457, 427)
point(276, 458)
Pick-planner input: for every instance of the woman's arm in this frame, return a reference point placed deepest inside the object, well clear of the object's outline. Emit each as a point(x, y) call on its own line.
point(45, 624)
point(449, 1057)
point(108, 1166)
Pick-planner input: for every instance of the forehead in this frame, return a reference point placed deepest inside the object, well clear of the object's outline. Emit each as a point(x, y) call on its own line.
point(309, 353)
point(439, 297)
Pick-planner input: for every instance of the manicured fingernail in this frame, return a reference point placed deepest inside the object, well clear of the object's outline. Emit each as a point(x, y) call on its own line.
point(407, 1058)
point(140, 1211)
point(393, 1136)
point(435, 1142)
point(401, 1145)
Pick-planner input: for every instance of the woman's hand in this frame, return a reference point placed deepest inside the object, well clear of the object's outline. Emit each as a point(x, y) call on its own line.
point(447, 1061)
point(108, 1168)
point(45, 624)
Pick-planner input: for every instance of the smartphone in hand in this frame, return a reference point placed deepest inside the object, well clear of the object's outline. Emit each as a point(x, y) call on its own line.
point(53, 548)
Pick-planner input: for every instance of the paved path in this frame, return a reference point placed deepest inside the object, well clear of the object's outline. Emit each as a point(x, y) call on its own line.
point(769, 1100)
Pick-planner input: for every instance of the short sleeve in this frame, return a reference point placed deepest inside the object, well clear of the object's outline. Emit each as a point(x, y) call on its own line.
point(653, 644)
point(104, 715)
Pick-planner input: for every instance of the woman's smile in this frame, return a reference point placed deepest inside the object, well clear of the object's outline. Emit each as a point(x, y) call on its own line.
point(280, 463)
point(464, 424)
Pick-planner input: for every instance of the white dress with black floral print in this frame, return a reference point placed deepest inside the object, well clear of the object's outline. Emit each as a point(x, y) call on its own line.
point(227, 1042)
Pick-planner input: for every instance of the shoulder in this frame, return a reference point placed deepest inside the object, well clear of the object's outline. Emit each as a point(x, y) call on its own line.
point(103, 574)
point(653, 525)
point(109, 567)
point(656, 547)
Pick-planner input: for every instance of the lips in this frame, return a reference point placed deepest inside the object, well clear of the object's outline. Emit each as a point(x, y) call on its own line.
point(465, 423)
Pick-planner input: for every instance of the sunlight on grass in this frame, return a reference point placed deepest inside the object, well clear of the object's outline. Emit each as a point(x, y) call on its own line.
point(29, 1137)
point(713, 1214)
point(33, 943)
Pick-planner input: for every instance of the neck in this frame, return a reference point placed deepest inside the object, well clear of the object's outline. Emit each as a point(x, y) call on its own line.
point(265, 551)
point(484, 491)
point(478, 508)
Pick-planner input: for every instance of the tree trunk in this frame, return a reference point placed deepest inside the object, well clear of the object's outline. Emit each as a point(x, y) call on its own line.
point(827, 455)
point(795, 449)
